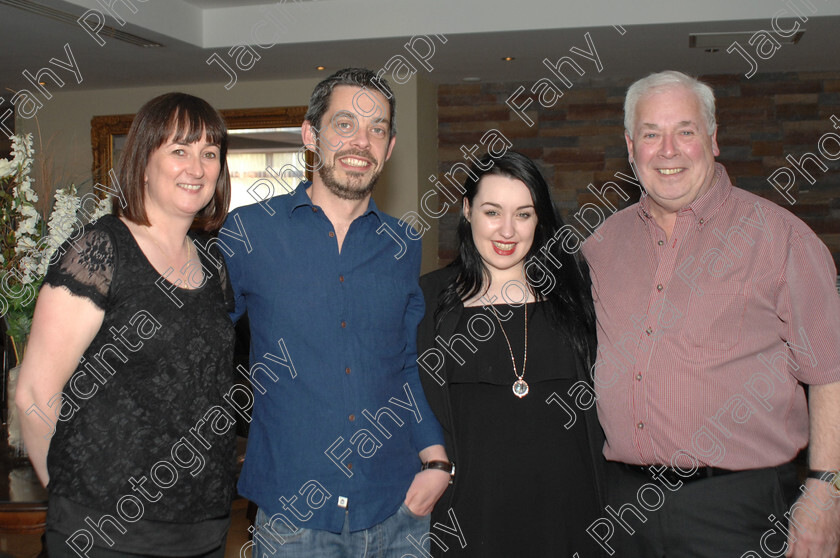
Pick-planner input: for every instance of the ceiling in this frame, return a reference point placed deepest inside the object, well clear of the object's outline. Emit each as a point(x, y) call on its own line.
point(224, 3)
point(339, 33)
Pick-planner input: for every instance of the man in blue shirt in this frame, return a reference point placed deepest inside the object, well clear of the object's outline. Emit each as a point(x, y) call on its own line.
point(340, 424)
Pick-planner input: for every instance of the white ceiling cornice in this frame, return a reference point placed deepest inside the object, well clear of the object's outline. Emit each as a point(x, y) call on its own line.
point(197, 36)
point(172, 18)
point(300, 22)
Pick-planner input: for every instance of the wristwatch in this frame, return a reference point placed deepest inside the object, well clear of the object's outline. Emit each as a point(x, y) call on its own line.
point(831, 477)
point(447, 466)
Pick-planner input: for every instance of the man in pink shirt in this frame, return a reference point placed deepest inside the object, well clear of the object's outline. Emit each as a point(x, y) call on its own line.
point(715, 308)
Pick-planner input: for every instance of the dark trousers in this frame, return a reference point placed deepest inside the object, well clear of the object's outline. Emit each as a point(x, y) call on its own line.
point(57, 548)
point(738, 515)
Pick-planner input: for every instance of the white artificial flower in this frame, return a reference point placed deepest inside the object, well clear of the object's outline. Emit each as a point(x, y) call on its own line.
point(27, 263)
point(103, 208)
point(24, 244)
point(26, 191)
point(26, 276)
point(22, 150)
point(62, 220)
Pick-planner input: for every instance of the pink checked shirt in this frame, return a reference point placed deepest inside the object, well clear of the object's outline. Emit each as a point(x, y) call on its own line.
point(704, 338)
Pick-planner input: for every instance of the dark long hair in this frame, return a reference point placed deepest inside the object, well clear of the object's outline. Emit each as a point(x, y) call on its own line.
point(564, 281)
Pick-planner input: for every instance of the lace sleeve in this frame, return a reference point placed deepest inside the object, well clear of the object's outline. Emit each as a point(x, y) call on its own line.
point(85, 267)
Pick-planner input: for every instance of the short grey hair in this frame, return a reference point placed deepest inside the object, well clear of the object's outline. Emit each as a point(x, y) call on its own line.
point(665, 80)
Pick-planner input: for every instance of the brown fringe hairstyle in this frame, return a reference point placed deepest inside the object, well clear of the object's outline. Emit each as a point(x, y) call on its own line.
point(185, 119)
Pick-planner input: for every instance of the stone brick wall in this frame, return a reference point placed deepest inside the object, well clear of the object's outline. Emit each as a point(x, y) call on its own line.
point(579, 141)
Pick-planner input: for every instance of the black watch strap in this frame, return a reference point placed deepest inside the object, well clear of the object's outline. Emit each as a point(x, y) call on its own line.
point(831, 477)
point(447, 466)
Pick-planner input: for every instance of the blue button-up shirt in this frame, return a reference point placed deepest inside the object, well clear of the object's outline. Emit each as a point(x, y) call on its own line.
point(339, 414)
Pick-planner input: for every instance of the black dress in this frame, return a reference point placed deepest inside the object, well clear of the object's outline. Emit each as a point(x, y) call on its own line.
point(525, 484)
point(147, 402)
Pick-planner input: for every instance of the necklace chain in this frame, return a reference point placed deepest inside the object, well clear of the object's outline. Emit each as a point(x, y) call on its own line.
point(520, 386)
point(162, 251)
point(189, 256)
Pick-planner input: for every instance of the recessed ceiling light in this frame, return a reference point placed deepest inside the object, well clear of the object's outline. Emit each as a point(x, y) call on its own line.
point(471, 78)
point(723, 40)
point(508, 58)
point(320, 68)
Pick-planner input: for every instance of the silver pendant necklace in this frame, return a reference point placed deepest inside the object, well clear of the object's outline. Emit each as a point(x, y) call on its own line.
point(520, 386)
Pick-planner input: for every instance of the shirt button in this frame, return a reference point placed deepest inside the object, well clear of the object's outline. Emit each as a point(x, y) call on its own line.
point(352, 418)
point(347, 370)
point(661, 242)
point(314, 210)
point(640, 426)
point(649, 330)
point(332, 234)
point(343, 324)
point(659, 287)
point(702, 221)
point(341, 278)
point(639, 377)
point(349, 465)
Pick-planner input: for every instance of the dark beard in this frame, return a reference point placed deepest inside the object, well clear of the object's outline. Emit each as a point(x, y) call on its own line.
point(347, 191)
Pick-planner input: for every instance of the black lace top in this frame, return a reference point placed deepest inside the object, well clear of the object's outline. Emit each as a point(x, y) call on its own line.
point(146, 406)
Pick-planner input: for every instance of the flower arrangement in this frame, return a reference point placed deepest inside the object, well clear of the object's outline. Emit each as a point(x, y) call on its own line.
point(27, 240)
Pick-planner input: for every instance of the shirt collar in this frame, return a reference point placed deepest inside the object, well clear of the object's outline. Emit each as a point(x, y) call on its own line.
point(302, 200)
point(703, 207)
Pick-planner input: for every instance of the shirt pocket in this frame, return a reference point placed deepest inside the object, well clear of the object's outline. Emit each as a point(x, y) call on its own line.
point(714, 319)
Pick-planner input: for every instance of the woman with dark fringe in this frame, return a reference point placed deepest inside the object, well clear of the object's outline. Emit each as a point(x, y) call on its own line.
point(137, 464)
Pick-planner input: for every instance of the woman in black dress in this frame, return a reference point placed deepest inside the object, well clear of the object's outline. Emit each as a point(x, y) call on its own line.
point(505, 347)
point(131, 351)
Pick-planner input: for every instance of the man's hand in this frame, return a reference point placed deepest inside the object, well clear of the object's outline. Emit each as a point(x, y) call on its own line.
point(425, 490)
point(427, 486)
point(817, 535)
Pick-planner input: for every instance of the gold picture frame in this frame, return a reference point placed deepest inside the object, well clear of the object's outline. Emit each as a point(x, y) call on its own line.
point(104, 130)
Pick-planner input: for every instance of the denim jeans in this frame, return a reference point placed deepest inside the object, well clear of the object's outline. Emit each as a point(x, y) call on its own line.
point(402, 534)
